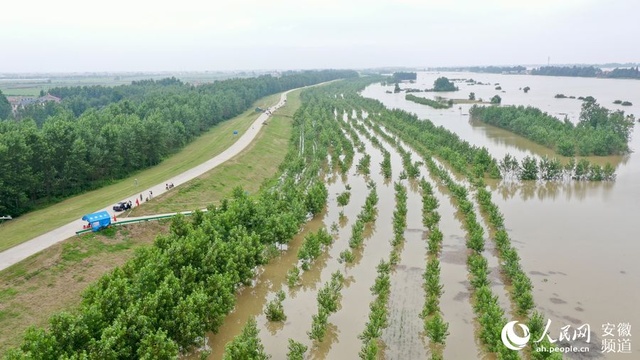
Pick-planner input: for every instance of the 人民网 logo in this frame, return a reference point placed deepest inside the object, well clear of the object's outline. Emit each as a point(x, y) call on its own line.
point(512, 340)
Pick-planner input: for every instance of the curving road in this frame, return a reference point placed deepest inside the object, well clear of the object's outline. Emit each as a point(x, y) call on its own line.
point(37, 244)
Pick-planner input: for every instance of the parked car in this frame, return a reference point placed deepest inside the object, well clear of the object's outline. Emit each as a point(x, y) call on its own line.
point(122, 206)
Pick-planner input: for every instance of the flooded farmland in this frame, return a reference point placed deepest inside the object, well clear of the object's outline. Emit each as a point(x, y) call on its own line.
point(576, 240)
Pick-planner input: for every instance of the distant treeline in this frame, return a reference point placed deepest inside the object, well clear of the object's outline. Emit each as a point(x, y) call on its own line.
point(599, 132)
point(98, 134)
point(487, 69)
point(578, 71)
point(401, 76)
point(622, 71)
point(587, 71)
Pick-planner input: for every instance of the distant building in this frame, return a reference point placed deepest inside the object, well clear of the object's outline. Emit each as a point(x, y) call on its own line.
point(14, 101)
point(19, 102)
point(26, 101)
point(48, 97)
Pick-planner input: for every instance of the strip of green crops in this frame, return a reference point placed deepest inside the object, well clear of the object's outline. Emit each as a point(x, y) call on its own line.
point(169, 295)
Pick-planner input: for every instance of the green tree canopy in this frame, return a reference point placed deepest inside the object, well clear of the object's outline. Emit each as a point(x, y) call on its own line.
point(443, 84)
point(5, 107)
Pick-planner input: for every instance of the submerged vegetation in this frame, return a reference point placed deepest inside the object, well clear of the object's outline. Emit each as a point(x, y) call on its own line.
point(247, 345)
point(553, 170)
point(378, 312)
point(363, 164)
point(312, 247)
point(328, 302)
point(274, 310)
point(599, 131)
point(343, 198)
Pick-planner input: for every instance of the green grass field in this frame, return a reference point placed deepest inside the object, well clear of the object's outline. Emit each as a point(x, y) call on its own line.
point(53, 280)
point(203, 148)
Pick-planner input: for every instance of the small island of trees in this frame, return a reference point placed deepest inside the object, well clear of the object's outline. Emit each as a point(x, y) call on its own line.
point(433, 103)
point(443, 84)
point(404, 76)
point(599, 131)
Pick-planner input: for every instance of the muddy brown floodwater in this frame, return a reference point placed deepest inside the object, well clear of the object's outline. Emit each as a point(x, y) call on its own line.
point(578, 241)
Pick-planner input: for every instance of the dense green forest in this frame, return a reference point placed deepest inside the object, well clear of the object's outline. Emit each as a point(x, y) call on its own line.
point(163, 300)
point(98, 134)
point(5, 107)
point(599, 131)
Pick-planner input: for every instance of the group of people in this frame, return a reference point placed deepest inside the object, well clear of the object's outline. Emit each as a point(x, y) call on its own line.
point(168, 186)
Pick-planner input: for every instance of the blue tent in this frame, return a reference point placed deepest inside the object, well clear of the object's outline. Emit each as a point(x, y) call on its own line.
point(98, 220)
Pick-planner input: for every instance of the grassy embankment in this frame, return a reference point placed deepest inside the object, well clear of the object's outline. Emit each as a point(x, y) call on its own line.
point(213, 142)
point(53, 280)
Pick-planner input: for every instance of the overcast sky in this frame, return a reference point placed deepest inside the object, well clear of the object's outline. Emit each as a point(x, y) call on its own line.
point(186, 35)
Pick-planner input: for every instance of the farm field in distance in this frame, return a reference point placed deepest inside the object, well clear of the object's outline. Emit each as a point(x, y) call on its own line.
point(30, 85)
